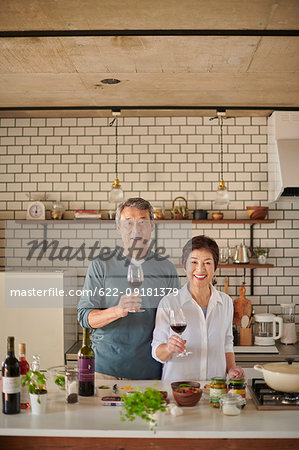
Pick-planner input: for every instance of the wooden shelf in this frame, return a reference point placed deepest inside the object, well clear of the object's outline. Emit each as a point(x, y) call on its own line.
point(246, 266)
point(238, 266)
point(244, 221)
point(226, 221)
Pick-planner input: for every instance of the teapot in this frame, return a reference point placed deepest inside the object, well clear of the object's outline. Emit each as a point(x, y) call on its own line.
point(241, 254)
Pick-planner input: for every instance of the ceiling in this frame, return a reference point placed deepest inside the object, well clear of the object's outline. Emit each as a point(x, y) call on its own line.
point(159, 75)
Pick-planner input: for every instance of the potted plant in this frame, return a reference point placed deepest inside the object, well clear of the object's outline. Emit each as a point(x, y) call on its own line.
point(36, 385)
point(261, 253)
point(149, 405)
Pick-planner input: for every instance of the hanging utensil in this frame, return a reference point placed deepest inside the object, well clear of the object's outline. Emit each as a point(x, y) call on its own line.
point(244, 321)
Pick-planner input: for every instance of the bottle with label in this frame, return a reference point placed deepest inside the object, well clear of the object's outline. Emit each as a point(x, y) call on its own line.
point(217, 389)
point(237, 386)
point(86, 367)
point(24, 367)
point(11, 384)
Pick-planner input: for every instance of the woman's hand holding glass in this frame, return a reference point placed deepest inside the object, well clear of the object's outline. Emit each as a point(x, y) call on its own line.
point(178, 324)
point(176, 344)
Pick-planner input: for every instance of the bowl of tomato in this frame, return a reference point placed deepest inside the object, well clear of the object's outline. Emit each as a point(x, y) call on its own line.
point(186, 393)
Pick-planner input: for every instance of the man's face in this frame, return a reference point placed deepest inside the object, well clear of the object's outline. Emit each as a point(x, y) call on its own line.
point(135, 228)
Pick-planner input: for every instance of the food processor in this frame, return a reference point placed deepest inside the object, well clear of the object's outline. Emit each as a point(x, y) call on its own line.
point(289, 335)
point(265, 329)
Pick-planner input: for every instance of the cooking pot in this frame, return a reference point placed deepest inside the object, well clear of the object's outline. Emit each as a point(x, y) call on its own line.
point(281, 376)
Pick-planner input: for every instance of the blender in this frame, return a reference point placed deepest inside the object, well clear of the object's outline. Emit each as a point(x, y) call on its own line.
point(265, 329)
point(289, 335)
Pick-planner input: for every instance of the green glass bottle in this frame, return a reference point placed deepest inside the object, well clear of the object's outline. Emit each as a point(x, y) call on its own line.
point(86, 366)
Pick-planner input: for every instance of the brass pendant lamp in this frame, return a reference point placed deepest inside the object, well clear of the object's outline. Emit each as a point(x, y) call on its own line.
point(222, 196)
point(116, 195)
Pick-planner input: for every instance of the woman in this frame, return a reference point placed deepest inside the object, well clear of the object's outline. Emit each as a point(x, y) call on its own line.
point(208, 314)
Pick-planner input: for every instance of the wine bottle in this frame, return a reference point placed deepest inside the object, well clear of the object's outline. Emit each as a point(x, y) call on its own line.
point(24, 367)
point(11, 385)
point(86, 366)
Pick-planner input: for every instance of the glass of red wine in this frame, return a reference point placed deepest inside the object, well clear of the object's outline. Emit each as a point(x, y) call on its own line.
point(178, 324)
point(135, 279)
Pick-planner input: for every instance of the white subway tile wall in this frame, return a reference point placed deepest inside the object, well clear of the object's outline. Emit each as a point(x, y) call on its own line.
point(160, 158)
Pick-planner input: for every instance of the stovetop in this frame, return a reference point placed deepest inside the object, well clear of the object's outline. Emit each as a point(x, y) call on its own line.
point(268, 399)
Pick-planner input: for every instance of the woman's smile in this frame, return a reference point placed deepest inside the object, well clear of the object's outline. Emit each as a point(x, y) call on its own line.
point(199, 277)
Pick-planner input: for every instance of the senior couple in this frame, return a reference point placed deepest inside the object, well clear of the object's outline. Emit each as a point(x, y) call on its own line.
point(131, 334)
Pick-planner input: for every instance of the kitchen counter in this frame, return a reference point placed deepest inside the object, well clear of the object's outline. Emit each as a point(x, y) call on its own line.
point(243, 359)
point(285, 351)
point(89, 419)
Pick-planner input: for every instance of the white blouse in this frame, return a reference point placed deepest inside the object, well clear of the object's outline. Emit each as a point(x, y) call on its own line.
point(208, 338)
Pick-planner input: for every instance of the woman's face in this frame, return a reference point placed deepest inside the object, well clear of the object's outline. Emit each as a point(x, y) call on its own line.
point(200, 268)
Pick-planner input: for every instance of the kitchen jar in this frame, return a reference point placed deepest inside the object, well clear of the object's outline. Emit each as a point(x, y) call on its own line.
point(217, 389)
point(71, 386)
point(57, 211)
point(237, 386)
point(231, 404)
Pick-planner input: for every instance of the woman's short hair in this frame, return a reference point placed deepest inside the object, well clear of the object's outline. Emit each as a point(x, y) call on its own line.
point(198, 243)
point(137, 203)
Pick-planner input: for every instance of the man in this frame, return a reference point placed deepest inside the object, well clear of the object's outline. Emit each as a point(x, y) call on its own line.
point(122, 333)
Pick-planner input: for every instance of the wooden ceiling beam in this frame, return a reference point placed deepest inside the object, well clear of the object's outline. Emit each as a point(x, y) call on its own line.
point(153, 32)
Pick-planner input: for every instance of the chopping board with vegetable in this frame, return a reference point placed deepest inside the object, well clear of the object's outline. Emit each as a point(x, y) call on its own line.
point(242, 307)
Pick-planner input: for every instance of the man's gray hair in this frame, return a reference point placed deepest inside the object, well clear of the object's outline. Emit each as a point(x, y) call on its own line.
point(137, 203)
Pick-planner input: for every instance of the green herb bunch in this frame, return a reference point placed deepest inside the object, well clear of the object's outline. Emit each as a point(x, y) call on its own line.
point(35, 381)
point(142, 404)
point(60, 381)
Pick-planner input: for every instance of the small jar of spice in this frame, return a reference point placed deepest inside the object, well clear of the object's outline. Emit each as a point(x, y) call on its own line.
point(217, 389)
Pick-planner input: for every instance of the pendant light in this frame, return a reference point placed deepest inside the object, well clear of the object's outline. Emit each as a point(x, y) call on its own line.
point(222, 196)
point(116, 195)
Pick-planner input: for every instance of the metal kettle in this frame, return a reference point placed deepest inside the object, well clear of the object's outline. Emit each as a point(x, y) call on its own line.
point(241, 254)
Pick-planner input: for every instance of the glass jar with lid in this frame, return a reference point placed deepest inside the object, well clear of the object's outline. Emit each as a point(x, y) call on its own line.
point(71, 386)
point(217, 389)
point(237, 386)
point(57, 211)
point(231, 404)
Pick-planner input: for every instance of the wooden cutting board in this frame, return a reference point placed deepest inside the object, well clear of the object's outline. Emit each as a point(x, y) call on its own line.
point(242, 306)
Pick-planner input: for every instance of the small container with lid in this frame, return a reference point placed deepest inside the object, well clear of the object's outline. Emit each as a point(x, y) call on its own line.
point(231, 404)
point(71, 386)
point(217, 389)
point(237, 386)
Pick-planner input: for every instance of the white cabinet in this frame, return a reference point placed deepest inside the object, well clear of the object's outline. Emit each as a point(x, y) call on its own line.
point(39, 308)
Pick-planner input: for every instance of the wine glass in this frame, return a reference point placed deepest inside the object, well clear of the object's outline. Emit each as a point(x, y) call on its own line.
point(178, 324)
point(135, 279)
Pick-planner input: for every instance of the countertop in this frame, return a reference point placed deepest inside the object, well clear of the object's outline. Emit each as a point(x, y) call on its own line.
point(249, 359)
point(89, 418)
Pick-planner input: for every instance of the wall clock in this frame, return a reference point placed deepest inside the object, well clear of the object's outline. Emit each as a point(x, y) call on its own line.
point(36, 211)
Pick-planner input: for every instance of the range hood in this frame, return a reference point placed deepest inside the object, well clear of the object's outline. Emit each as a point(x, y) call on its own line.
point(283, 156)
